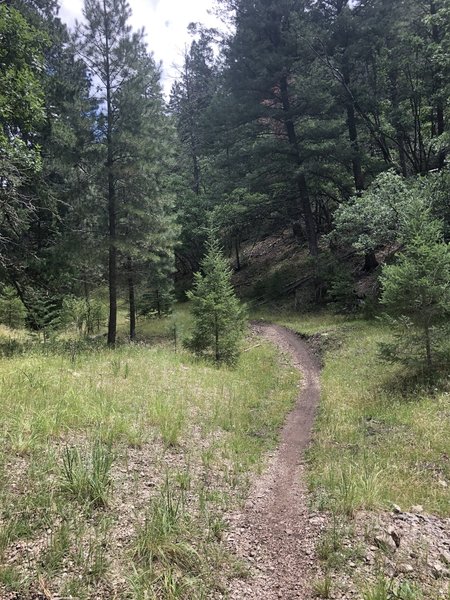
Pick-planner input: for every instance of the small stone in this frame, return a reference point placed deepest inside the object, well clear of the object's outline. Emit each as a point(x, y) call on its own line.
point(437, 569)
point(395, 536)
point(417, 509)
point(405, 568)
point(396, 509)
point(443, 483)
point(385, 542)
point(445, 557)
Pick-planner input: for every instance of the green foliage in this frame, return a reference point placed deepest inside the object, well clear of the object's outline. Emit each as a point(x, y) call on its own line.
point(219, 317)
point(372, 219)
point(386, 589)
point(86, 315)
point(416, 292)
point(43, 313)
point(21, 113)
point(12, 311)
point(341, 290)
point(88, 478)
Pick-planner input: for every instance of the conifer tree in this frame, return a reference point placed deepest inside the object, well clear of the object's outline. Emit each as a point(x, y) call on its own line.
point(218, 314)
point(416, 291)
point(111, 52)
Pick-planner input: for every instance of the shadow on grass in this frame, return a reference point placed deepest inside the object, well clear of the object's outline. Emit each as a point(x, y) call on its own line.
point(413, 384)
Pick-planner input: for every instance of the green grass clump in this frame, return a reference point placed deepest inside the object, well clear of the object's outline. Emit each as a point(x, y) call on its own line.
point(88, 478)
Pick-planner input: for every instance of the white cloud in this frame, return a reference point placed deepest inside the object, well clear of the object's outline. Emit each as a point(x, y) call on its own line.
point(165, 23)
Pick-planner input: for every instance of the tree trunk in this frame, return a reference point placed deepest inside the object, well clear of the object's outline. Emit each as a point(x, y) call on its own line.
point(305, 202)
point(112, 263)
point(131, 300)
point(356, 158)
point(370, 262)
point(440, 117)
point(216, 336)
point(158, 303)
point(89, 324)
point(428, 347)
point(238, 258)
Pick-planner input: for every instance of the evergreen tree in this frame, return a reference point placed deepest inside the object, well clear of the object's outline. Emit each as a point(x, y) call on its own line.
point(111, 53)
point(219, 316)
point(416, 290)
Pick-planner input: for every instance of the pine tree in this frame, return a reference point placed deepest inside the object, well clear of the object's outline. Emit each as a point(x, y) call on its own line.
point(146, 230)
point(416, 291)
point(218, 314)
point(111, 53)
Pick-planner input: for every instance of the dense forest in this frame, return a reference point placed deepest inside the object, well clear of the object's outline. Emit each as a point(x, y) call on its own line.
point(325, 117)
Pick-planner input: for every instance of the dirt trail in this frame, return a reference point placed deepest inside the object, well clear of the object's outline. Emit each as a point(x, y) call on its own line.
point(275, 532)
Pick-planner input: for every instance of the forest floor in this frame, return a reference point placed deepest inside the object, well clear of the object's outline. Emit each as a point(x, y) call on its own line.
point(276, 532)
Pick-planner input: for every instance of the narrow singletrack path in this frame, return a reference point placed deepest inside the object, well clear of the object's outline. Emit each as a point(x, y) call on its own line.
point(275, 532)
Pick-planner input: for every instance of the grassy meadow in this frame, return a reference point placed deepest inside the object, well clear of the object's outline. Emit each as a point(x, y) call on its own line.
point(117, 467)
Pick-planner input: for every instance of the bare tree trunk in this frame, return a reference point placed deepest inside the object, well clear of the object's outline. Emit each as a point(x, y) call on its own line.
point(305, 202)
point(112, 262)
point(89, 324)
point(131, 300)
point(238, 258)
point(356, 158)
point(216, 335)
point(440, 117)
point(428, 347)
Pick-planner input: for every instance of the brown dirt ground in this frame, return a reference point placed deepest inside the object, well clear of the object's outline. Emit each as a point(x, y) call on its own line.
point(275, 533)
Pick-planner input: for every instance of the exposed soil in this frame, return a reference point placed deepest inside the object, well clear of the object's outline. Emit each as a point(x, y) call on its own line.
point(275, 534)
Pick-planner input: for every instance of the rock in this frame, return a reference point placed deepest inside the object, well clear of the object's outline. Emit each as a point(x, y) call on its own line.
point(396, 509)
point(443, 483)
point(437, 569)
point(444, 556)
point(395, 536)
point(417, 509)
point(385, 543)
point(405, 568)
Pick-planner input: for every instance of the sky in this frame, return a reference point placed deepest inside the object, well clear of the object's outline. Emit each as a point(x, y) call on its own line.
point(165, 23)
